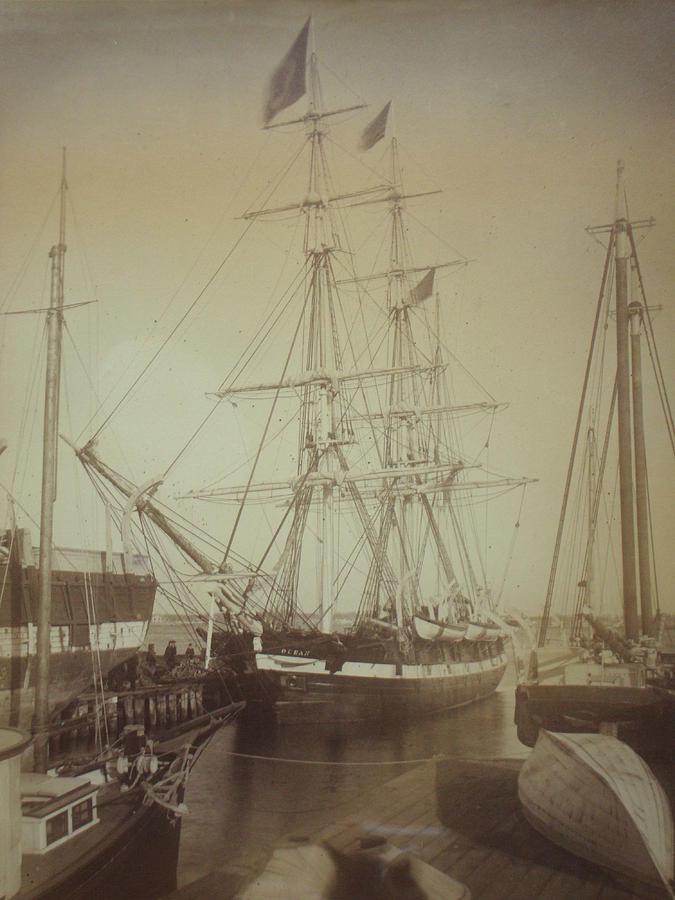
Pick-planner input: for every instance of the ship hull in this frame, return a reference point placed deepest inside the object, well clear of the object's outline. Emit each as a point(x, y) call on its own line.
point(96, 605)
point(70, 675)
point(133, 850)
point(643, 717)
point(301, 690)
point(138, 857)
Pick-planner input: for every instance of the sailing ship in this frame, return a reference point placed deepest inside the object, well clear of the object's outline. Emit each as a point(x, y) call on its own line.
point(377, 516)
point(625, 684)
point(114, 813)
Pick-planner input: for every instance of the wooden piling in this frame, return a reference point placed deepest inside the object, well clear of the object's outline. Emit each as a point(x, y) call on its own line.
point(128, 704)
point(172, 713)
point(161, 710)
point(139, 710)
point(152, 711)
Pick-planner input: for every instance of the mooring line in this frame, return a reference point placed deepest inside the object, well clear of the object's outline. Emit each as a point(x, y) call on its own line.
point(392, 762)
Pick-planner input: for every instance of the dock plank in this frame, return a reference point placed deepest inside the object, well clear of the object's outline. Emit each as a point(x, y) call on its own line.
point(471, 815)
point(464, 818)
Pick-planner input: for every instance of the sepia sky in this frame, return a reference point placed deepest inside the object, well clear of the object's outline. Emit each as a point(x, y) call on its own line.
point(517, 110)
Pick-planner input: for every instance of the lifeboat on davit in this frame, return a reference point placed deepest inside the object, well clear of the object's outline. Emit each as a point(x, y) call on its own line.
point(434, 631)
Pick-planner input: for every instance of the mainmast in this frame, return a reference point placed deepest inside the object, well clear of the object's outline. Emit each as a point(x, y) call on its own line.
point(407, 445)
point(622, 255)
point(641, 498)
point(402, 444)
point(323, 421)
point(49, 477)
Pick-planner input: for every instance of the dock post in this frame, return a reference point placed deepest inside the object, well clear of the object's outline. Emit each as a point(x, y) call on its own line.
point(128, 705)
point(139, 710)
point(171, 709)
point(161, 710)
point(152, 711)
point(113, 716)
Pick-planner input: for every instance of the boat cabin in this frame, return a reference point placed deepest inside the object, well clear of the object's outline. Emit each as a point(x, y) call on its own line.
point(54, 810)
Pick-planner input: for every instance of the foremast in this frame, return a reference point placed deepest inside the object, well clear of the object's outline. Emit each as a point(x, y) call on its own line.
point(325, 426)
point(622, 254)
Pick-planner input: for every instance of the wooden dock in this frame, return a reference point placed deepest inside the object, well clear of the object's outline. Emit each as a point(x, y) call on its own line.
point(159, 708)
point(464, 818)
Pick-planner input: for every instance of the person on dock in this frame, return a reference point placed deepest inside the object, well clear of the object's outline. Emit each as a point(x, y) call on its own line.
point(131, 671)
point(151, 657)
point(189, 653)
point(170, 655)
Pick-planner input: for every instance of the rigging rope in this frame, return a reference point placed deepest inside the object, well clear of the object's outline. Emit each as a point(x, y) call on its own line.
point(541, 638)
point(241, 363)
point(175, 294)
point(172, 332)
point(509, 556)
point(267, 425)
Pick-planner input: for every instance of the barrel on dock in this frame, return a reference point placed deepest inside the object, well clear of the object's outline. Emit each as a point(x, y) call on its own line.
point(12, 745)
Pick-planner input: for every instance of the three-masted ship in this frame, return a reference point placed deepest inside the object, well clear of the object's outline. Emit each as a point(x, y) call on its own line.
point(378, 450)
point(367, 599)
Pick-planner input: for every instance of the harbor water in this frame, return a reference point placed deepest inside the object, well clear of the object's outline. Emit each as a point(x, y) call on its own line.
point(255, 785)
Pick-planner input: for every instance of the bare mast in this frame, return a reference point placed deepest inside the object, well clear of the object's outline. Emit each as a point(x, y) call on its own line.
point(641, 498)
point(49, 477)
point(622, 254)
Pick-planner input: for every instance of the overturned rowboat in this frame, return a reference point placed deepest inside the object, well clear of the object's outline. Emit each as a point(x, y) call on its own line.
point(594, 796)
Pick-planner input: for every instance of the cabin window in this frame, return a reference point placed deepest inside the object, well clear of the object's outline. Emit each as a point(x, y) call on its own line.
point(82, 813)
point(57, 827)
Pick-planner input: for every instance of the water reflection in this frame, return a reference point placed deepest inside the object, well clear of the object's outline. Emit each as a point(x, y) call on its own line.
point(256, 784)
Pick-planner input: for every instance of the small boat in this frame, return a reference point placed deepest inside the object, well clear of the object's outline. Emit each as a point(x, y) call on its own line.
point(492, 632)
point(435, 631)
point(475, 631)
point(594, 796)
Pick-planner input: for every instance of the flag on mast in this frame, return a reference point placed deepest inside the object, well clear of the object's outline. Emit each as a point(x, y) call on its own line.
point(287, 84)
point(375, 131)
point(422, 289)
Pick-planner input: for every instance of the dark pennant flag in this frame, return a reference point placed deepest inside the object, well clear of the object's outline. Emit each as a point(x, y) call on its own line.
point(423, 289)
point(287, 84)
point(375, 131)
